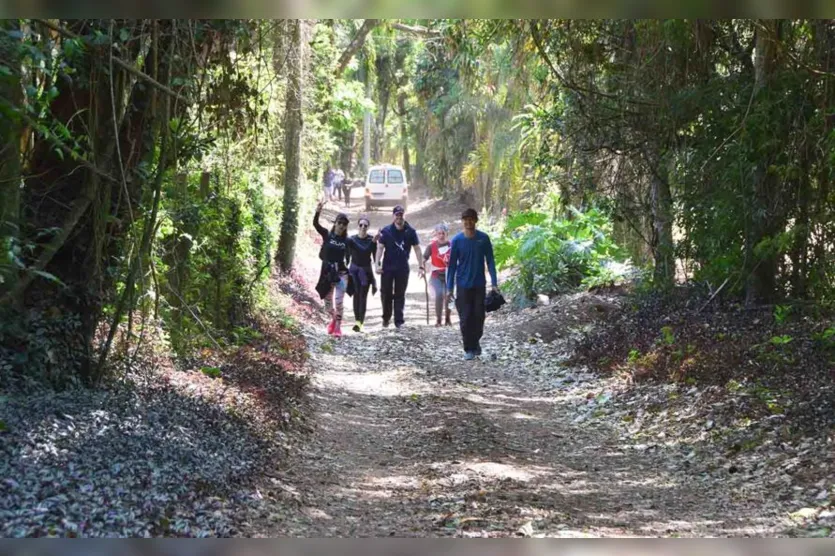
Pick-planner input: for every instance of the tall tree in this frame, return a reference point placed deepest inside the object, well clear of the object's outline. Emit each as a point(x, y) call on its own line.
point(10, 136)
point(292, 146)
point(766, 213)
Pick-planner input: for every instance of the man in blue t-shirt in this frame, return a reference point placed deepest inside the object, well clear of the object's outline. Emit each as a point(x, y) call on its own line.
point(471, 249)
point(393, 246)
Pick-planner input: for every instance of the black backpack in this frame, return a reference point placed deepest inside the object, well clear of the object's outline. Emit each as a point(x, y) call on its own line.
point(493, 301)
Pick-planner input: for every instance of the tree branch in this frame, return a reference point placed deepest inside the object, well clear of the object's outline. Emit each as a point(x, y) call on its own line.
point(355, 45)
point(415, 30)
point(119, 62)
point(537, 40)
point(79, 207)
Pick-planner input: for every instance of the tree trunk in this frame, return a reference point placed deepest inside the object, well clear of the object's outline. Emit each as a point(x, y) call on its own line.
point(800, 247)
point(292, 149)
point(404, 136)
point(355, 45)
point(10, 135)
point(420, 156)
point(662, 226)
point(346, 141)
point(825, 47)
point(761, 268)
point(366, 120)
point(383, 95)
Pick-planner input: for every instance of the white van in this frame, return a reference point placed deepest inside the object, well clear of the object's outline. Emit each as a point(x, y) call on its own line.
point(385, 186)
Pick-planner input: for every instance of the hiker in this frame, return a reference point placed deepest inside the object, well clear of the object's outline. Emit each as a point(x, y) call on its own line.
point(338, 179)
point(333, 279)
point(393, 264)
point(327, 182)
point(362, 248)
point(471, 249)
point(346, 190)
point(438, 254)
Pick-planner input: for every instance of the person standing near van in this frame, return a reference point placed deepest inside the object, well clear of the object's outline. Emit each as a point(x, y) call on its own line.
point(438, 253)
point(362, 249)
point(471, 250)
point(393, 246)
point(327, 183)
point(347, 184)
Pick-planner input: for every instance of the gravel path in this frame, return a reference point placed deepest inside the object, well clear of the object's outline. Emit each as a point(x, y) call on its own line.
point(411, 441)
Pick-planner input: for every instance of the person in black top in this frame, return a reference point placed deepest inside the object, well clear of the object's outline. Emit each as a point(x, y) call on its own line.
point(393, 246)
point(333, 279)
point(362, 249)
point(347, 184)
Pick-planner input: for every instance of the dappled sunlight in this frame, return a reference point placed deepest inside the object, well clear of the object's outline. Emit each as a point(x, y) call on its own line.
point(694, 526)
point(394, 481)
point(484, 400)
point(527, 399)
point(505, 471)
point(469, 447)
point(385, 383)
point(355, 421)
point(523, 416)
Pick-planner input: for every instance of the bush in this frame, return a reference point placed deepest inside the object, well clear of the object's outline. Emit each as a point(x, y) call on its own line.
point(552, 255)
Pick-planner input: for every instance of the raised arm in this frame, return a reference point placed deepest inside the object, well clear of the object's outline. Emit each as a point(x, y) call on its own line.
point(319, 228)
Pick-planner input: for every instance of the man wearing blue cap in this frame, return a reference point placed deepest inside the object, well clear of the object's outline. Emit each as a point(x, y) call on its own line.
point(471, 251)
point(393, 247)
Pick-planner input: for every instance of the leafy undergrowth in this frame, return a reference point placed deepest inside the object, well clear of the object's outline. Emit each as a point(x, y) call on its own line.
point(751, 392)
point(783, 358)
point(164, 449)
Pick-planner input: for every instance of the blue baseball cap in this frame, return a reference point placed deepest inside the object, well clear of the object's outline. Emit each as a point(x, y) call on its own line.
point(398, 208)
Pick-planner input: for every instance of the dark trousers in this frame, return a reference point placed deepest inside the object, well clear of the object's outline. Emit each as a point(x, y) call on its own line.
point(393, 293)
point(361, 301)
point(470, 305)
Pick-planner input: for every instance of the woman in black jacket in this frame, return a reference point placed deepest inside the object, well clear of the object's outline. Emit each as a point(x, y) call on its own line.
point(333, 279)
point(362, 249)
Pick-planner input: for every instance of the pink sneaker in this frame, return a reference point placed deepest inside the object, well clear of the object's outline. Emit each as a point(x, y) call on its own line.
point(337, 330)
point(331, 326)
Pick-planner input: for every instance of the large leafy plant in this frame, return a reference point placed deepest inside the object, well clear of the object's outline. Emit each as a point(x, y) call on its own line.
point(550, 254)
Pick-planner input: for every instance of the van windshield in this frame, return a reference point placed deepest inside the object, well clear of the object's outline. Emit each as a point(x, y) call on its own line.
point(395, 176)
point(377, 176)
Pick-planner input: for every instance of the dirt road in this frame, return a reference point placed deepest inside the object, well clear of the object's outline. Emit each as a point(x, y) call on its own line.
point(410, 440)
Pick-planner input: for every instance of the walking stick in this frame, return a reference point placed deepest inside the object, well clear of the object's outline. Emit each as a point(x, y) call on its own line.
point(426, 290)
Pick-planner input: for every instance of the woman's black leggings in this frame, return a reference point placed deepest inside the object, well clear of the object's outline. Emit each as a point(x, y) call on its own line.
point(360, 301)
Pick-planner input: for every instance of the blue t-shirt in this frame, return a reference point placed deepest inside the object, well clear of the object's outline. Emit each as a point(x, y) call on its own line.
point(398, 243)
point(466, 261)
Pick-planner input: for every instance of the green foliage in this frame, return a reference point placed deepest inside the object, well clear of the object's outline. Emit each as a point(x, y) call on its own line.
point(780, 340)
point(781, 313)
point(212, 372)
point(348, 105)
point(551, 254)
point(212, 255)
point(192, 256)
point(826, 338)
point(667, 335)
